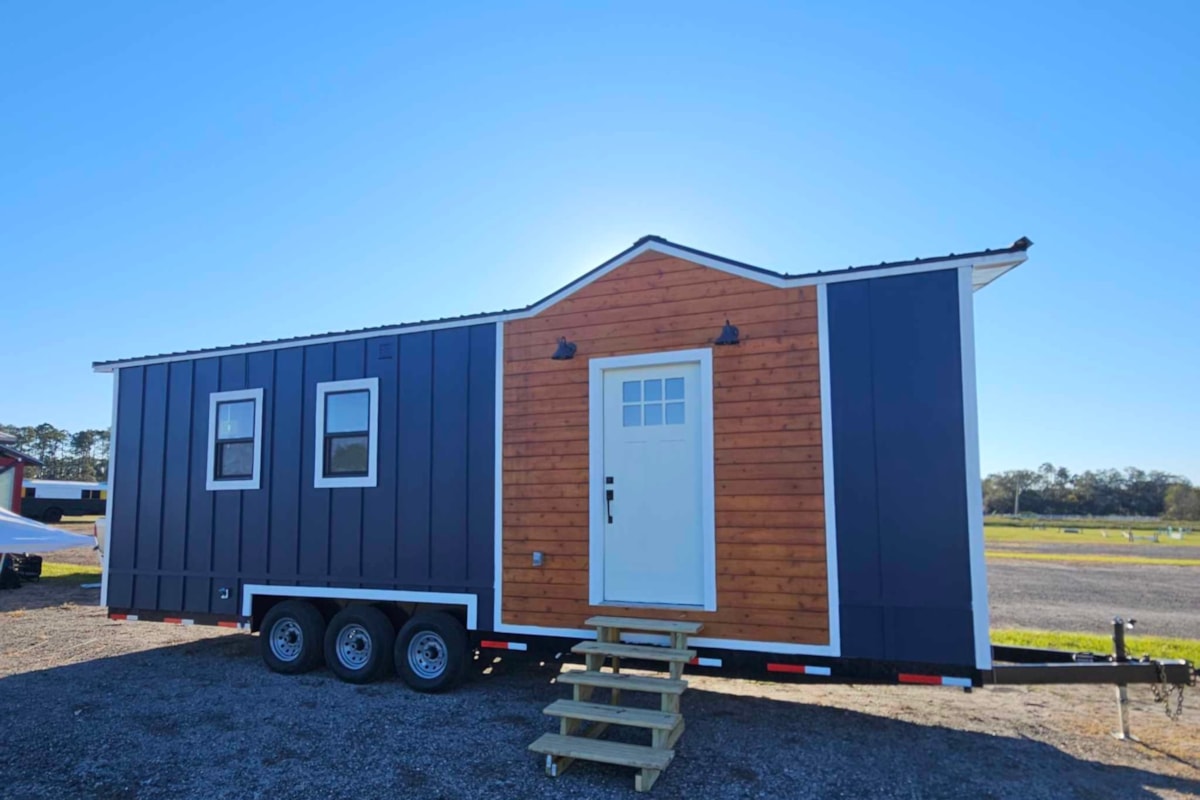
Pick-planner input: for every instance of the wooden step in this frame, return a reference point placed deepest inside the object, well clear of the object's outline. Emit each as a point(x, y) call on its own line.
point(635, 651)
point(614, 715)
point(613, 680)
point(647, 625)
point(630, 755)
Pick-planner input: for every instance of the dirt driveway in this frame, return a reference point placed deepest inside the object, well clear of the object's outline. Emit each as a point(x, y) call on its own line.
point(98, 709)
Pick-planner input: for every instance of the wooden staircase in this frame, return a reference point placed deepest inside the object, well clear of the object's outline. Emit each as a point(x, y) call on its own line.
point(583, 721)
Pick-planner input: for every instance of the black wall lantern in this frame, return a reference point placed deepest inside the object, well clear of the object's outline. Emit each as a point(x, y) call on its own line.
point(729, 334)
point(565, 349)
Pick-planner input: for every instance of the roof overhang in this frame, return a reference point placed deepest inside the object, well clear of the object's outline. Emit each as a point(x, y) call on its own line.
point(986, 266)
point(13, 453)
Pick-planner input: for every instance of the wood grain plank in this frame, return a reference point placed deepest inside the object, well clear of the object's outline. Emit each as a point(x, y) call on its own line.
point(772, 552)
point(769, 486)
point(525, 505)
point(519, 463)
point(723, 425)
point(728, 374)
point(540, 476)
point(569, 447)
point(787, 470)
point(727, 396)
point(810, 405)
point(728, 456)
point(741, 441)
point(545, 490)
point(545, 532)
point(762, 502)
point(770, 519)
point(521, 549)
point(755, 536)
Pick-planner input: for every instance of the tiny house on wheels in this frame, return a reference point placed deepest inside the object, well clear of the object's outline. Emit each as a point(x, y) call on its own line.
point(789, 461)
point(769, 473)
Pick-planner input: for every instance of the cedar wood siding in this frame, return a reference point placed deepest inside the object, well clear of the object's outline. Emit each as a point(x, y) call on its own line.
point(770, 521)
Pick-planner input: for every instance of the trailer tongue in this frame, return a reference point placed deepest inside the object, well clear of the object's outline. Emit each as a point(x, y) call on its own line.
point(1032, 665)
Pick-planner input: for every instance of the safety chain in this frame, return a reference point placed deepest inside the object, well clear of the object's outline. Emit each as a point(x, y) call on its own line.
point(1163, 691)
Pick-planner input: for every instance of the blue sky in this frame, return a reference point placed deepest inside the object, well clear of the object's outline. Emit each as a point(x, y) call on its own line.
point(179, 176)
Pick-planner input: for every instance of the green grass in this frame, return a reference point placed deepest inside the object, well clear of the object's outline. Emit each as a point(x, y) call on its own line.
point(1090, 558)
point(69, 574)
point(1005, 532)
point(1092, 523)
point(1154, 646)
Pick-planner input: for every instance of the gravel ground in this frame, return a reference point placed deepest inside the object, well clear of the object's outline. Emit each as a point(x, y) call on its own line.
point(102, 709)
point(1165, 600)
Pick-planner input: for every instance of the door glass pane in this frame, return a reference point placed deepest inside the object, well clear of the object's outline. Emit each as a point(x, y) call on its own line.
point(653, 390)
point(674, 413)
point(347, 411)
point(631, 391)
point(346, 454)
point(235, 460)
point(653, 414)
point(235, 420)
point(674, 388)
point(632, 416)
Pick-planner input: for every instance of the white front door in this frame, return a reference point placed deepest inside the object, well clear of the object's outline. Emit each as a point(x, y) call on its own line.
point(653, 505)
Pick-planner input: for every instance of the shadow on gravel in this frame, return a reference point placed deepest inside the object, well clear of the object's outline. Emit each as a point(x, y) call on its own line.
point(206, 720)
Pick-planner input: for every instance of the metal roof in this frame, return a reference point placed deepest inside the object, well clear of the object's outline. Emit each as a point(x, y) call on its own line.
point(657, 243)
point(12, 452)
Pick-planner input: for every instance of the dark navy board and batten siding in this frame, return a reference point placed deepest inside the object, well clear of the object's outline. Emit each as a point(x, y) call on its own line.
point(428, 525)
point(899, 469)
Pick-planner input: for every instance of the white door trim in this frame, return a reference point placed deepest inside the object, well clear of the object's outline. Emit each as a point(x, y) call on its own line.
point(596, 369)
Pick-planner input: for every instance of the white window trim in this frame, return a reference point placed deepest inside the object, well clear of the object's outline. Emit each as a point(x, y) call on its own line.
point(708, 518)
point(211, 483)
point(369, 480)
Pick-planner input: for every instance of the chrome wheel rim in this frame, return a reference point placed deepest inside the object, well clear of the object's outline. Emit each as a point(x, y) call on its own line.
point(427, 655)
point(353, 646)
point(287, 639)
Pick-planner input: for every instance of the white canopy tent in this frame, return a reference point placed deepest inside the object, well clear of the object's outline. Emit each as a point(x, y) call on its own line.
point(21, 535)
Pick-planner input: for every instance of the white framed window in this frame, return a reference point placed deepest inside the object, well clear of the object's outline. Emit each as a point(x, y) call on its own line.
point(234, 439)
point(347, 446)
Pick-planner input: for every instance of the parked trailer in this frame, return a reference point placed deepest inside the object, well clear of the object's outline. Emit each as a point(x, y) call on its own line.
point(789, 461)
point(50, 500)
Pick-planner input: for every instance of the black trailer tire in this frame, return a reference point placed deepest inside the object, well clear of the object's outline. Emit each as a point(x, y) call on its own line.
point(52, 515)
point(291, 637)
point(431, 652)
point(359, 643)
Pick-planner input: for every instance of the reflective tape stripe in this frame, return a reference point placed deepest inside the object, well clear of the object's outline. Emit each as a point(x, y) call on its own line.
point(927, 680)
point(227, 624)
point(705, 662)
point(933, 680)
point(493, 645)
point(798, 669)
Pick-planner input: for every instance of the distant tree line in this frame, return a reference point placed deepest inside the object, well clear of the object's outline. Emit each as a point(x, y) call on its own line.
point(1107, 492)
point(67, 456)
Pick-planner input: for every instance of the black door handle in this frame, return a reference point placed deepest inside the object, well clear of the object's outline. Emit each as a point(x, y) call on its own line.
point(608, 498)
